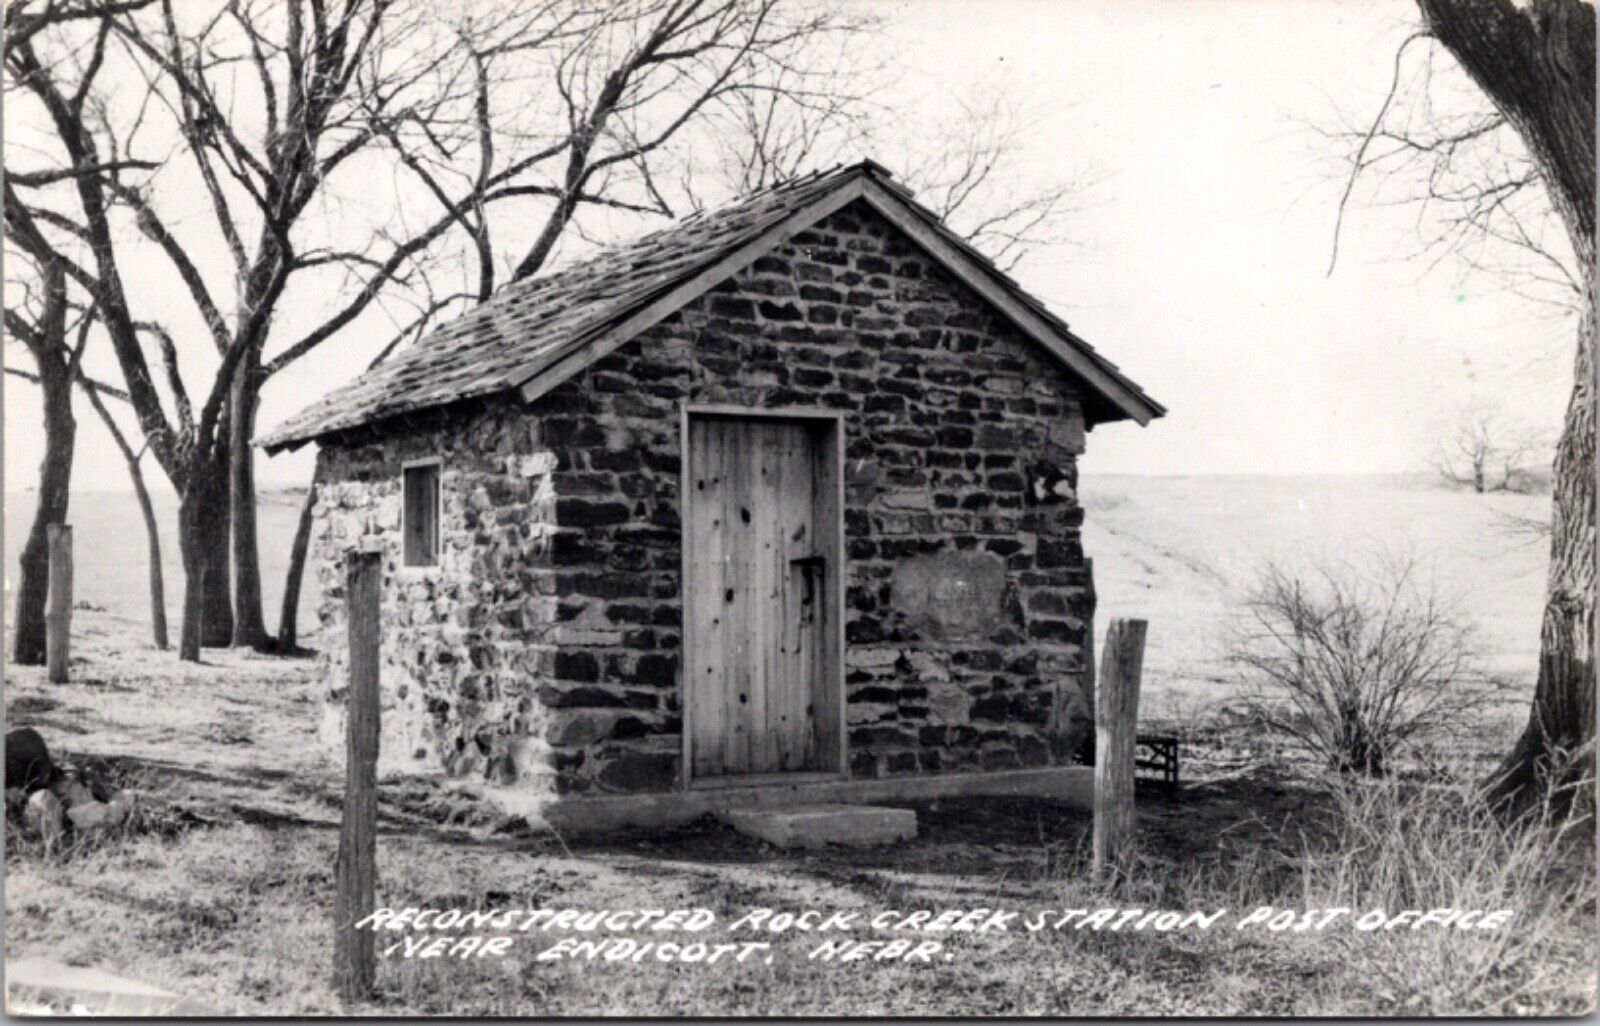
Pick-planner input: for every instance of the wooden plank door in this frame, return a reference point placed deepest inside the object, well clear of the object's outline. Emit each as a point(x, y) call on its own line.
point(757, 627)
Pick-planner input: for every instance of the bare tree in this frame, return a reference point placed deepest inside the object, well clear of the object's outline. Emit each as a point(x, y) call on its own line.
point(314, 123)
point(37, 314)
point(1440, 148)
point(288, 640)
point(96, 392)
point(54, 55)
point(266, 147)
point(38, 309)
point(1535, 65)
point(568, 109)
point(1489, 451)
point(968, 169)
point(277, 109)
point(621, 98)
point(44, 334)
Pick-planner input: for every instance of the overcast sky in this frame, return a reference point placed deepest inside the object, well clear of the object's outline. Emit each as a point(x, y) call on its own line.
point(1202, 250)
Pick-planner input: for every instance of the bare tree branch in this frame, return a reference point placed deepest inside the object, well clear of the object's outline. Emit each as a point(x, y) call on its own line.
point(1438, 148)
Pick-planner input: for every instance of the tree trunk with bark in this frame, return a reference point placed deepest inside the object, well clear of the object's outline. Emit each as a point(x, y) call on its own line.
point(1537, 64)
point(249, 629)
point(289, 614)
point(55, 475)
point(204, 561)
point(1556, 748)
point(212, 536)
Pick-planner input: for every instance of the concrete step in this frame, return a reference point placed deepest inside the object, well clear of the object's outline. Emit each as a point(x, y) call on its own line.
point(815, 826)
point(34, 986)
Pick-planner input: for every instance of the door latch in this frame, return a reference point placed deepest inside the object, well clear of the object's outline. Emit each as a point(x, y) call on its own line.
point(810, 565)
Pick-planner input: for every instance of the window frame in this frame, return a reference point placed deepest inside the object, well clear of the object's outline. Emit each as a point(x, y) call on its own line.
point(437, 463)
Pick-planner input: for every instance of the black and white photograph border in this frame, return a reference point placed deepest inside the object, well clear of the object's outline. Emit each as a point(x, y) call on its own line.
point(795, 508)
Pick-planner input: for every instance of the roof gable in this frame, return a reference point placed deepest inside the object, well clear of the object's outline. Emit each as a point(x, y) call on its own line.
point(533, 335)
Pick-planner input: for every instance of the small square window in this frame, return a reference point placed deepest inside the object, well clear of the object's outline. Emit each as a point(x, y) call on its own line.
point(420, 519)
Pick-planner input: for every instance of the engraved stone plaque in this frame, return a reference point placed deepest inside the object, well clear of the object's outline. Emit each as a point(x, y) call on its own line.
point(951, 595)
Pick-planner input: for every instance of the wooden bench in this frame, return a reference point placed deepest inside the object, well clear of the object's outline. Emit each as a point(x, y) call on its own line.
point(1158, 752)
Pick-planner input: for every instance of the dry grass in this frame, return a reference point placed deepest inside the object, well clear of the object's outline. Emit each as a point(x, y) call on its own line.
point(1437, 846)
point(225, 895)
point(238, 916)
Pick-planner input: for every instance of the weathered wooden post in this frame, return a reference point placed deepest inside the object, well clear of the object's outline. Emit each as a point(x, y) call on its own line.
point(58, 619)
point(1088, 637)
point(1116, 723)
point(354, 967)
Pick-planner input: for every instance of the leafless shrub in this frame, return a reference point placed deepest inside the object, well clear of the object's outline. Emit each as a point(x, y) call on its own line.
point(1356, 664)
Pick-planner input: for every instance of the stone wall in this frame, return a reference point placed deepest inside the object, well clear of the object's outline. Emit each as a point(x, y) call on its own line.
point(546, 645)
point(463, 641)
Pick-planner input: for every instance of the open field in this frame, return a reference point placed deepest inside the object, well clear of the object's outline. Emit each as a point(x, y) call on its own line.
point(1178, 551)
point(1175, 550)
point(226, 895)
point(111, 557)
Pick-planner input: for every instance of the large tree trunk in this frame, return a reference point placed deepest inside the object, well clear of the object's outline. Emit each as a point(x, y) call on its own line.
point(1537, 64)
point(249, 630)
point(55, 475)
point(289, 614)
point(1557, 746)
point(212, 537)
point(204, 561)
point(193, 554)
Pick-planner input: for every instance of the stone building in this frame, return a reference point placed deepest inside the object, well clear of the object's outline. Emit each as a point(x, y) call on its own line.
point(784, 495)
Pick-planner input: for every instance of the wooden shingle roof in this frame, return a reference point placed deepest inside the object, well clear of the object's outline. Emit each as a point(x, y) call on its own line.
point(534, 334)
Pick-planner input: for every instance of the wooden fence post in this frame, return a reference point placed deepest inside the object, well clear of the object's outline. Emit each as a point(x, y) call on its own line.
point(58, 620)
point(1116, 724)
point(354, 966)
point(1088, 637)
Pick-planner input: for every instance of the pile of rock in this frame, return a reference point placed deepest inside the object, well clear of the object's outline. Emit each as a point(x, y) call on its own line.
point(54, 803)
